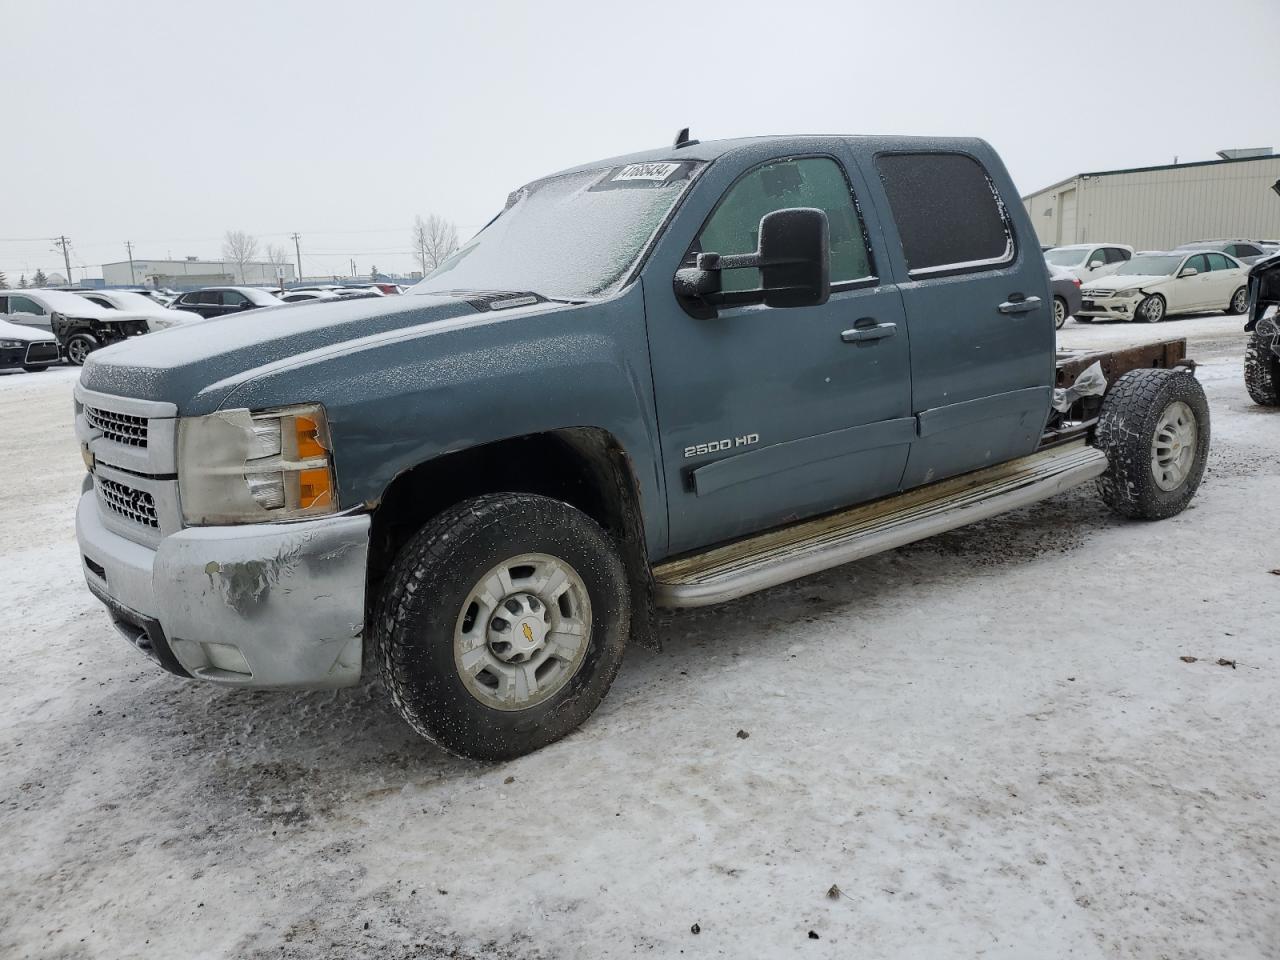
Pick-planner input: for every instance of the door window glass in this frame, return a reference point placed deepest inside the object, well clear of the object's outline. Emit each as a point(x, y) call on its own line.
point(208, 297)
point(233, 298)
point(948, 212)
point(25, 305)
point(1115, 255)
point(1218, 262)
point(1198, 263)
point(734, 226)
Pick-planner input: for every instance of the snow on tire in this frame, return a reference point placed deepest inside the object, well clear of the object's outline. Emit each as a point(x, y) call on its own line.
point(1262, 366)
point(1154, 429)
point(502, 624)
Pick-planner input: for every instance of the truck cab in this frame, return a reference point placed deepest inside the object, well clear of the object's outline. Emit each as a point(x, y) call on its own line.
point(673, 377)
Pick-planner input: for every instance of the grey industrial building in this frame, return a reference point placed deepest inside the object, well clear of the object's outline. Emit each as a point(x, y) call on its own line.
point(1156, 208)
point(191, 272)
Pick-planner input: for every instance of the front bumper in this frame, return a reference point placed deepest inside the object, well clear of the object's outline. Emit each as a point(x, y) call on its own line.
point(1112, 308)
point(259, 605)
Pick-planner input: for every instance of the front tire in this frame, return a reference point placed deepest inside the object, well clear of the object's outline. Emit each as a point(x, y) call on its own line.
point(1151, 310)
point(502, 624)
point(1059, 312)
point(1239, 302)
point(1262, 366)
point(1154, 429)
point(79, 347)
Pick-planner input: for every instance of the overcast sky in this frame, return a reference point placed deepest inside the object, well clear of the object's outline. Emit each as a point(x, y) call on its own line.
point(170, 123)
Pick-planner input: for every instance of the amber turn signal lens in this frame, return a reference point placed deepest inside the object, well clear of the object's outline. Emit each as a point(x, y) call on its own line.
point(307, 432)
point(314, 489)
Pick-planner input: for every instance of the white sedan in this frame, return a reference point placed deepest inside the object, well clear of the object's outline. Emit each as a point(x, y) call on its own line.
point(158, 316)
point(1153, 286)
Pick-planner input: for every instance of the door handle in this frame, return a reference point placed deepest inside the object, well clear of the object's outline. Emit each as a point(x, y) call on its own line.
point(874, 331)
point(1019, 304)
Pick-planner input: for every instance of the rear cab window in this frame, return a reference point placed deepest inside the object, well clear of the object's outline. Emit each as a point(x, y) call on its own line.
point(949, 215)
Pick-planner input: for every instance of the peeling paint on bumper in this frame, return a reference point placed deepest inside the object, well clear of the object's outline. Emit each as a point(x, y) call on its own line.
point(262, 605)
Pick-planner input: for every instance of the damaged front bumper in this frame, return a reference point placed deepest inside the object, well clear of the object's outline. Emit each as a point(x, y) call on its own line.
point(1104, 306)
point(261, 605)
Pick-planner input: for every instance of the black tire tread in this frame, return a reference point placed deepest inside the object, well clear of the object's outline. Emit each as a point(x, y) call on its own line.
point(1262, 367)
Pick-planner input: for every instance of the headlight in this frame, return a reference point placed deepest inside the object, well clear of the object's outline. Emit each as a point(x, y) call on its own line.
point(10, 344)
point(1129, 293)
point(241, 466)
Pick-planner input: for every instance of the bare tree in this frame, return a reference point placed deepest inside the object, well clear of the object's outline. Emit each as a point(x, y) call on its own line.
point(433, 240)
point(239, 248)
point(278, 257)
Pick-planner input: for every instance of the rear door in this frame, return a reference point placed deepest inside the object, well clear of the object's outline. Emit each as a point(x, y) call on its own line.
point(769, 414)
point(1225, 277)
point(976, 292)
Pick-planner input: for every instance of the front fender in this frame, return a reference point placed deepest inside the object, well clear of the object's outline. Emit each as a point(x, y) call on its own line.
point(400, 401)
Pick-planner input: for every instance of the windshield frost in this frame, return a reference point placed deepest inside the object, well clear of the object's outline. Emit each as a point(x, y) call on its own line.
point(1150, 266)
point(1065, 258)
point(567, 237)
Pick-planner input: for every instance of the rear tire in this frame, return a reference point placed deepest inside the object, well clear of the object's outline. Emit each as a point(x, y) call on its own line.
point(1059, 312)
point(1154, 429)
point(1262, 366)
point(502, 624)
point(1151, 310)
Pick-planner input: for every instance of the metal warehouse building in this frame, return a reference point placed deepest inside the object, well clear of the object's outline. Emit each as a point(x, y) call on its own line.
point(1156, 208)
point(190, 273)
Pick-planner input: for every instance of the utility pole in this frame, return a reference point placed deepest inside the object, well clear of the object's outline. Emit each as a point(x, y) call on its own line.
point(65, 244)
point(298, 250)
point(128, 245)
point(353, 268)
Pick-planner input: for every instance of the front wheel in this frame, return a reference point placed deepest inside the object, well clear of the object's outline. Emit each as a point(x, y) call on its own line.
point(1154, 429)
point(502, 624)
point(1059, 312)
point(79, 347)
point(1151, 310)
point(1239, 302)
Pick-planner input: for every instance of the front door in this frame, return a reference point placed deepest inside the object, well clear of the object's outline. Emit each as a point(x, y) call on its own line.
point(769, 414)
point(24, 310)
point(976, 292)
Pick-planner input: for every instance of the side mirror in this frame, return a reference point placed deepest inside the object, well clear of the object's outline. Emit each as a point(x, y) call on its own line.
point(248, 305)
point(1188, 272)
point(793, 256)
point(1095, 264)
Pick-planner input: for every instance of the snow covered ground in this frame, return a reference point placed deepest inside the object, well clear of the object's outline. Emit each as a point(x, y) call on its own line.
point(989, 742)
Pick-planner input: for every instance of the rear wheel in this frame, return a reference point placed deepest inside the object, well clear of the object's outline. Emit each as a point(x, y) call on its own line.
point(502, 624)
point(1151, 310)
point(79, 347)
point(1262, 366)
point(1239, 301)
point(1059, 312)
point(1154, 429)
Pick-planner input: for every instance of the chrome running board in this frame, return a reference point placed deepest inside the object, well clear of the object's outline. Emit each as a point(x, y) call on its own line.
point(788, 553)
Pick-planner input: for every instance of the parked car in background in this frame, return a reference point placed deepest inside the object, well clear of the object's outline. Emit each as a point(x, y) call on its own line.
point(222, 301)
point(158, 317)
point(1153, 286)
point(80, 327)
point(1088, 261)
point(30, 348)
point(1246, 251)
point(1066, 295)
point(308, 296)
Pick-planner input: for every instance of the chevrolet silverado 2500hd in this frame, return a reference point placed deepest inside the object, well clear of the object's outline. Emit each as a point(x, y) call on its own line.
point(664, 379)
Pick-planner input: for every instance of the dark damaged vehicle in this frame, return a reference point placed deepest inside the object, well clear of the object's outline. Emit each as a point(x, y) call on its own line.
point(1262, 355)
point(665, 379)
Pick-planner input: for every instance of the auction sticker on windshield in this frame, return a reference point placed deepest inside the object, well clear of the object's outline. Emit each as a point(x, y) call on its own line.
point(646, 171)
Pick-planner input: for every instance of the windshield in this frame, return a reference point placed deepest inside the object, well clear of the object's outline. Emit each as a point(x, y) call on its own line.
point(1065, 258)
point(1151, 266)
point(567, 237)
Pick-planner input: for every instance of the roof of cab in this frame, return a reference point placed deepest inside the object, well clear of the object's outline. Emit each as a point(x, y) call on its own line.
point(709, 150)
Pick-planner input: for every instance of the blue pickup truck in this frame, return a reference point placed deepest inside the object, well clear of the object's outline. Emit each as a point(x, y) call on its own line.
point(664, 379)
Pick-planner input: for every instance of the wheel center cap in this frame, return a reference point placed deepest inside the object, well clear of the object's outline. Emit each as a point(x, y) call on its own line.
point(518, 629)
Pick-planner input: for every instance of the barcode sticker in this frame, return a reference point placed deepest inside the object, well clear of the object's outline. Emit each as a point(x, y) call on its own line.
point(656, 172)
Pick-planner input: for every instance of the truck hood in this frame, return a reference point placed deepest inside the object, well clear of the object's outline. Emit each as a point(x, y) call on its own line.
point(186, 361)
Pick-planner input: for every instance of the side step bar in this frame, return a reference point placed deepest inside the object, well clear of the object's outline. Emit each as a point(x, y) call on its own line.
point(768, 559)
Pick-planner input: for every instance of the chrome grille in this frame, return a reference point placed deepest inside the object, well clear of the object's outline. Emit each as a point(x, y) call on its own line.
point(137, 505)
point(120, 427)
